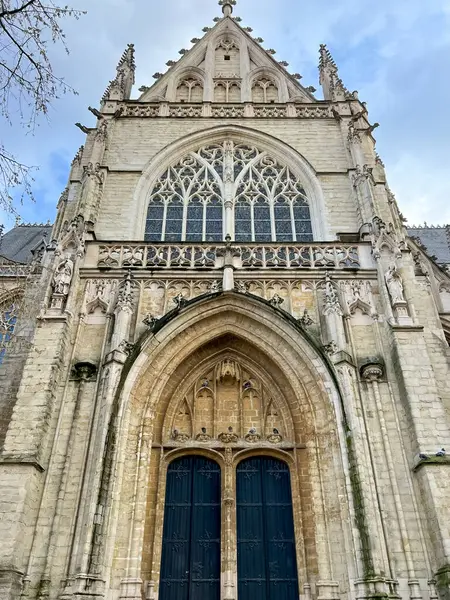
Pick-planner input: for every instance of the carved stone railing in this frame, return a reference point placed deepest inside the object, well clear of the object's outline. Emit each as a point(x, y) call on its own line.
point(251, 256)
point(227, 110)
point(10, 269)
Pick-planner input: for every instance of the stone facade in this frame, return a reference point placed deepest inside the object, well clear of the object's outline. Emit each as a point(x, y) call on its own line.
point(330, 354)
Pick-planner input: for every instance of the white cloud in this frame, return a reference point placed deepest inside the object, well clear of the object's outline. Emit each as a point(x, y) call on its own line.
point(396, 53)
point(421, 190)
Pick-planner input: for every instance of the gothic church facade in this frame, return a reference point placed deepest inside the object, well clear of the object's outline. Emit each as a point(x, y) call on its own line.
point(230, 381)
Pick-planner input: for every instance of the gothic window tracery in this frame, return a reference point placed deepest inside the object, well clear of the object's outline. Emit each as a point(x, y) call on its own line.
point(189, 200)
point(8, 320)
point(264, 90)
point(189, 89)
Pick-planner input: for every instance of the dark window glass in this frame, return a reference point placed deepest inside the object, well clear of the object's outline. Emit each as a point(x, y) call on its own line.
point(214, 218)
point(5, 334)
point(194, 225)
point(243, 222)
point(303, 227)
point(261, 212)
point(283, 224)
point(174, 221)
point(153, 227)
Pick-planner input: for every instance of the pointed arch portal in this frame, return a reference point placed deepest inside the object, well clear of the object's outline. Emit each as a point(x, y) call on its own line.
point(229, 379)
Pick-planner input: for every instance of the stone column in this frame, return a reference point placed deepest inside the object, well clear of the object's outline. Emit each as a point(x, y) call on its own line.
point(131, 586)
point(375, 561)
point(372, 374)
point(229, 503)
point(124, 312)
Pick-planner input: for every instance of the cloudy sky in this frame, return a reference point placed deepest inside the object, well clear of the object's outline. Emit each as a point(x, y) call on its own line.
point(396, 53)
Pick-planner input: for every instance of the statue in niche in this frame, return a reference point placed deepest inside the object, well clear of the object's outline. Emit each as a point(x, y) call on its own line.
point(63, 277)
point(395, 285)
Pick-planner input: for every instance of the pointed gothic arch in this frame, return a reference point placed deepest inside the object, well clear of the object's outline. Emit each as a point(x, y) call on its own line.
point(252, 328)
point(273, 75)
point(10, 303)
point(277, 149)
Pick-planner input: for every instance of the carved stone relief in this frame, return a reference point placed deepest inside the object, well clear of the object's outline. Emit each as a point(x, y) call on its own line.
point(228, 404)
point(359, 300)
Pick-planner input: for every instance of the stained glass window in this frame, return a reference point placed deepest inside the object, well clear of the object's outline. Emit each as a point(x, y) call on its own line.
point(189, 202)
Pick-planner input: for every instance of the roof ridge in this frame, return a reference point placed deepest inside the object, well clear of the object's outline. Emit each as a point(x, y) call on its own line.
point(427, 226)
point(48, 224)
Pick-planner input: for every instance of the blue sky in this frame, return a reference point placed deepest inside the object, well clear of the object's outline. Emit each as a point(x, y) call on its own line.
point(396, 53)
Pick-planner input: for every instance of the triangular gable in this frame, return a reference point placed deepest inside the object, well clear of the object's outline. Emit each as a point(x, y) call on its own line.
point(195, 61)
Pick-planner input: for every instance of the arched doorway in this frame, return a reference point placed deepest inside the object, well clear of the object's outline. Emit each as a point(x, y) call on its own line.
point(190, 566)
point(267, 567)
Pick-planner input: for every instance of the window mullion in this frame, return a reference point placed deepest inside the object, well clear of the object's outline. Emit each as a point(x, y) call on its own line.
point(184, 222)
point(294, 232)
point(163, 230)
point(252, 217)
point(272, 219)
point(205, 202)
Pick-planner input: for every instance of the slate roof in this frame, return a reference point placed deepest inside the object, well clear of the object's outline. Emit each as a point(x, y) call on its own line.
point(17, 244)
point(435, 239)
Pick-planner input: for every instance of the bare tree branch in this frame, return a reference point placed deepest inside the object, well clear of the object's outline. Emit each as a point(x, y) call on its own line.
point(28, 84)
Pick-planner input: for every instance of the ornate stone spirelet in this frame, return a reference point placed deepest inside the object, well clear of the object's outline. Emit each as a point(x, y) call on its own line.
point(331, 303)
point(330, 348)
point(126, 347)
point(215, 287)
point(150, 321)
point(125, 296)
point(306, 320)
point(180, 300)
point(241, 287)
point(276, 301)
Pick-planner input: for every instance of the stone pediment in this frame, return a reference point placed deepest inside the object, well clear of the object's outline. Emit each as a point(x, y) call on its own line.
point(217, 57)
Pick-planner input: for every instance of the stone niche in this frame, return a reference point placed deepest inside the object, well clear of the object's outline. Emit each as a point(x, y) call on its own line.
point(228, 403)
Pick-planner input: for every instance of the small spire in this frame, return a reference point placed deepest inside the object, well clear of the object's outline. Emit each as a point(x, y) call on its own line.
point(120, 87)
point(333, 87)
point(326, 60)
point(128, 58)
point(227, 7)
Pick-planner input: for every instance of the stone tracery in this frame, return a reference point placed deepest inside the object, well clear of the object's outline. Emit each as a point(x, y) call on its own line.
point(228, 403)
point(228, 188)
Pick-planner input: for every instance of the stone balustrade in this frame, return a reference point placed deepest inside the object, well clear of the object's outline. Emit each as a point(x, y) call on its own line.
point(247, 256)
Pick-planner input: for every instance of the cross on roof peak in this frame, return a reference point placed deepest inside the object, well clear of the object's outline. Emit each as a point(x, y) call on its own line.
point(227, 7)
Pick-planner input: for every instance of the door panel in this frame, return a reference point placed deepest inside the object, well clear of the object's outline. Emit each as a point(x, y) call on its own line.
point(190, 565)
point(266, 544)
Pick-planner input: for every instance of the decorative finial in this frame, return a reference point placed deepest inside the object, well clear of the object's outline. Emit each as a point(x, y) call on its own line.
point(227, 7)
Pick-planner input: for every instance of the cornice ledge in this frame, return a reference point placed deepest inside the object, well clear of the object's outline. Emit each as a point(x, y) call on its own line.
point(422, 460)
point(11, 459)
point(411, 328)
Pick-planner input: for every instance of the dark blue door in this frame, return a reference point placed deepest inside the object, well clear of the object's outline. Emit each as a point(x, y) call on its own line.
point(190, 564)
point(267, 566)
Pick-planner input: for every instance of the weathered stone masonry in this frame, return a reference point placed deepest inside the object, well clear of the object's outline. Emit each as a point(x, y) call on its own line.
point(329, 351)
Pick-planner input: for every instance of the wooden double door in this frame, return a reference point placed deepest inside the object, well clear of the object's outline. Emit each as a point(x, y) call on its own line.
point(191, 554)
